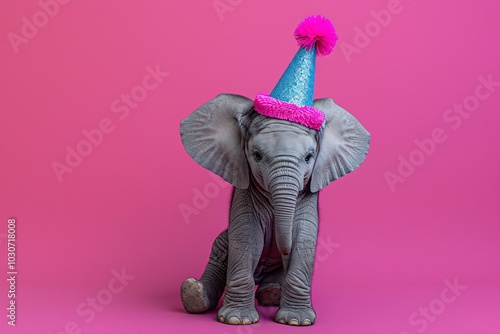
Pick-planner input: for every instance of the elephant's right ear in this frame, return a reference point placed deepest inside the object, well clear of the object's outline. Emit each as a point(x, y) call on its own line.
point(212, 136)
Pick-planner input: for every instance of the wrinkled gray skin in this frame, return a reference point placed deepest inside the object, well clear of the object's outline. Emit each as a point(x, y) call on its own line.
point(277, 168)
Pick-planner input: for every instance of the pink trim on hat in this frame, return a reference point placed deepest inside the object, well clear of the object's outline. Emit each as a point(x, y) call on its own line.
point(304, 115)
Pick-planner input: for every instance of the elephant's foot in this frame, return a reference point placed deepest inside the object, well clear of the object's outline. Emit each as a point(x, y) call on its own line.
point(195, 298)
point(295, 317)
point(269, 294)
point(238, 315)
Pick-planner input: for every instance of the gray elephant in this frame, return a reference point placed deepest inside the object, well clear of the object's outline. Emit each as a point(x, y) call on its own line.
point(277, 168)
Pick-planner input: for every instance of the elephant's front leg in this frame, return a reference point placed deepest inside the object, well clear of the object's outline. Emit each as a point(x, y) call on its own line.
point(295, 305)
point(246, 241)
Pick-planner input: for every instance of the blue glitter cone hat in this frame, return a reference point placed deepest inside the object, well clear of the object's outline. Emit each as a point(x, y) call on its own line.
point(292, 97)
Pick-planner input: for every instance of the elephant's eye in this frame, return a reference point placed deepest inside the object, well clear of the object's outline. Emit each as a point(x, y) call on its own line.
point(308, 158)
point(257, 156)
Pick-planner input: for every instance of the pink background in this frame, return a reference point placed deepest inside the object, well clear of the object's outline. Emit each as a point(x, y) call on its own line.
point(384, 253)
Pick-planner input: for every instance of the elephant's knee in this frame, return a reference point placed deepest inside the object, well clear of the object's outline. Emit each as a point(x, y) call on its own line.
point(219, 249)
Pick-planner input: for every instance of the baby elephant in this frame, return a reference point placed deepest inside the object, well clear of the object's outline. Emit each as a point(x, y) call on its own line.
point(277, 168)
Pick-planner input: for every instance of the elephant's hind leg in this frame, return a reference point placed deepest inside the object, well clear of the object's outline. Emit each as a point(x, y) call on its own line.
point(269, 291)
point(202, 295)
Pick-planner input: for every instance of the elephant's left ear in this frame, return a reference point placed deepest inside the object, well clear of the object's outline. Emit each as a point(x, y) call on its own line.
point(343, 145)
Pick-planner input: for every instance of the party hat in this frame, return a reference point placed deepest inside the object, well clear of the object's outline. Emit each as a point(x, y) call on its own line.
point(292, 97)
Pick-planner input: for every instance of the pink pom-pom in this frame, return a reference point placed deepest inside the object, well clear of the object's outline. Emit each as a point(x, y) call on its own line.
point(316, 30)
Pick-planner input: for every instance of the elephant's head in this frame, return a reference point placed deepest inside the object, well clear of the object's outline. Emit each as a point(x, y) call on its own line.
point(282, 159)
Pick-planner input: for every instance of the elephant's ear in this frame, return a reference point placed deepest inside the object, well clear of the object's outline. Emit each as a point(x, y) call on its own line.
point(212, 136)
point(343, 145)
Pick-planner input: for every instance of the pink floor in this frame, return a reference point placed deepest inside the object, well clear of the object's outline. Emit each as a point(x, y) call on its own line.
point(343, 308)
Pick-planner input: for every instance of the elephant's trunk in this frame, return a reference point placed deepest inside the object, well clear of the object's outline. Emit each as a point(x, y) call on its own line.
point(284, 186)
